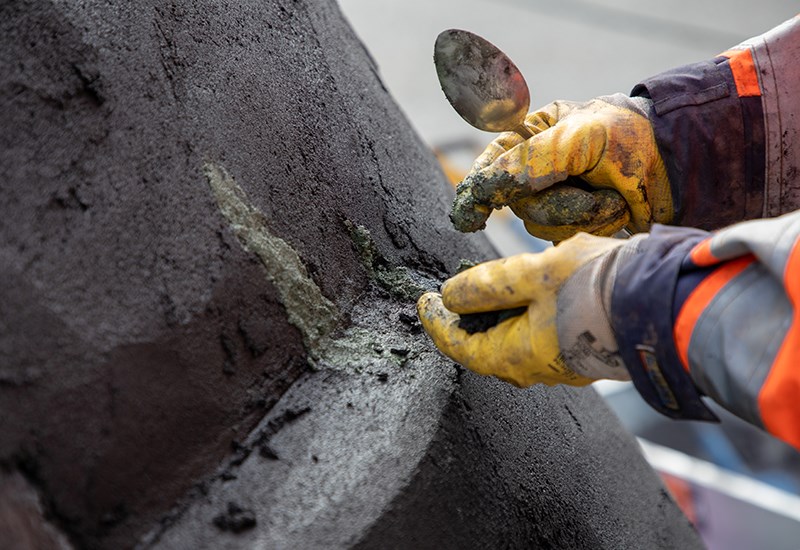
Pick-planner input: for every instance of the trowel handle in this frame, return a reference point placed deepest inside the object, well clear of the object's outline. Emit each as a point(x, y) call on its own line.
point(523, 131)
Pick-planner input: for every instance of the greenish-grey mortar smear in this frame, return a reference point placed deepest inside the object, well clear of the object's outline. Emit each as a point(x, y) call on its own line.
point(400, 281)
point(465, 264)
point(306, 307)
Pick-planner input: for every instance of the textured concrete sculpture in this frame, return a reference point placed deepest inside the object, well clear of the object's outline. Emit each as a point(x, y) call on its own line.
point(213, 224)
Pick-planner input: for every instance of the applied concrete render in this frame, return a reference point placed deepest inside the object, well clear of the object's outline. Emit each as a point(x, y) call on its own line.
point(161, 386)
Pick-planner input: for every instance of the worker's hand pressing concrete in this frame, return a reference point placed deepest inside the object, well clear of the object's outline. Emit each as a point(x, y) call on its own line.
point(563, 334)
point(608, 142)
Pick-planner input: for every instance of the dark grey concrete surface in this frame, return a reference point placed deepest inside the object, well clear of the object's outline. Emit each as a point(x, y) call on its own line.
point(174, 175)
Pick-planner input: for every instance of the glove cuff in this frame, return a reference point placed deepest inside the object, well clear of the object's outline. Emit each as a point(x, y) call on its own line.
point(585, 336)
point(637, 104)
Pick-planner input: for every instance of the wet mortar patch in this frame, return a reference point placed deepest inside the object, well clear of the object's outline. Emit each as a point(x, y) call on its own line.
point(401, 282)
point(306, 307)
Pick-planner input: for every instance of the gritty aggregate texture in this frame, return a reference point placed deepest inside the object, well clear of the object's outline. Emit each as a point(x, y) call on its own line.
point(170, 172)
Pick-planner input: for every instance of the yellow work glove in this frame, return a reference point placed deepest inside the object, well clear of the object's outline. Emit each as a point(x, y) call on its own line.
point(608, 142)
point(558, 339)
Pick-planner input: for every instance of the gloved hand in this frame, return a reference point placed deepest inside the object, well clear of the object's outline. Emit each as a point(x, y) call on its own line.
point(564, 335)
point(608, 142)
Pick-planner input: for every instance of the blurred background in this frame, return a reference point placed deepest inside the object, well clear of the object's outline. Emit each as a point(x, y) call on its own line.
point(739, 487)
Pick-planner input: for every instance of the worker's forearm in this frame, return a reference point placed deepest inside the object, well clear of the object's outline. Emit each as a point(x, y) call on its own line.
point(713, 314)
point(729, 131)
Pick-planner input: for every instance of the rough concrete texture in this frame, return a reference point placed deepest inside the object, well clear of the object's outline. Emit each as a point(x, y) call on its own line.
point(154, 389)
point(22, 521)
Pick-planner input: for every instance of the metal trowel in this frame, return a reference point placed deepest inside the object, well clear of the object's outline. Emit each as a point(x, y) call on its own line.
point(481, 82)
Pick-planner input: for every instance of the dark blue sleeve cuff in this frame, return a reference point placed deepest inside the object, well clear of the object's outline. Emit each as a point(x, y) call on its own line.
point(712, 142)
point(642, 318)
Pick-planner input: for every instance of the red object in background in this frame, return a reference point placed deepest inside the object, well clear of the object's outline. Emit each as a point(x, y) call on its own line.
point(682, 493)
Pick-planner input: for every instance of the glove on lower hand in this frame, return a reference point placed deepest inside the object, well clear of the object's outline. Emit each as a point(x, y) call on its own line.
point(563, 336)
point(608, 142)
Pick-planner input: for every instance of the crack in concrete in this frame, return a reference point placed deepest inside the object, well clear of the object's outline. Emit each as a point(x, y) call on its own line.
point(400, 281)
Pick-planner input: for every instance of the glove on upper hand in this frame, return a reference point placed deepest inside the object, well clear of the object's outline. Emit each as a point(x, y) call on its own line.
point(608, 142)
point(528, 348)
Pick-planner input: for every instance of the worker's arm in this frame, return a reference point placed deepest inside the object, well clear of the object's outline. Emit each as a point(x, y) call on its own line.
point(682, 312)
point(703, 145)
point(728, 130)
point(715, 314)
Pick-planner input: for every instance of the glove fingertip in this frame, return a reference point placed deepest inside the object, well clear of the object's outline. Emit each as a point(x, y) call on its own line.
point(426, 303)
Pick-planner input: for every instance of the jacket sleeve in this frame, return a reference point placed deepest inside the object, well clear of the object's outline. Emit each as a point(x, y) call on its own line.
point(732, 325)
point(729, 131)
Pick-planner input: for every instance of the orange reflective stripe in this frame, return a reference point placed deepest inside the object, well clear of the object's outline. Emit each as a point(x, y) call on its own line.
point(744, 72)
point(698, 300)
point(779, 398)
point(701, 254)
